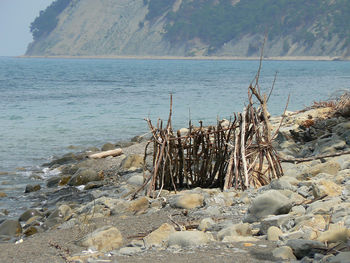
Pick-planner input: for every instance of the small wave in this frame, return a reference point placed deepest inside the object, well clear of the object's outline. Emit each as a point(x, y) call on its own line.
point(48, 172)
point(15, 117)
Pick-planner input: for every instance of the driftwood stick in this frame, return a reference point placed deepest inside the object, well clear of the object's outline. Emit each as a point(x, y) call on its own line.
point(308, 159)
point(115, 152)
point(244, 161)
point(282, 119)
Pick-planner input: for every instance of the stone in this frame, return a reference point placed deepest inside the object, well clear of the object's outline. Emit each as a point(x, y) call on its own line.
point(103, 239)
point(32, 188)
point(64, 180)
point(290, 179)
point(330, 167)
point(187, 201)
point(83, 176)
point(299, 234)
point(93, 185)
point(304, 191)
point(329, 145)
point(159, 236)
point(323, 206)
point(63, 212)
point(133, 161)
point(284, 222)
point(30, 231)
point(138, 205)
point(135, 180)
point(271, 202)
point(240, 229)
point(342, 257)
point(189, 238)
point(53, 181)
point(35, 220)
point(336, 233)
point(324, 187)
point(305, 248)
point(298, 210)
point(10, 228)
point(65, 159)
point(277, 184)
point(316, 222)
point(29, 214)
point(231, 239)
point(128, 251)
point(274, 233)
point(2, 194)
point(108, 146)
point(206, 224)
point(294, 198)
point(284, 253)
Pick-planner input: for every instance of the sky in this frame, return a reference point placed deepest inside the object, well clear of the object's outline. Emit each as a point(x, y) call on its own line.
point(15, 19)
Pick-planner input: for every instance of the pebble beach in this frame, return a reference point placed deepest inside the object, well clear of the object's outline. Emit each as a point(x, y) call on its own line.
point(84, 212)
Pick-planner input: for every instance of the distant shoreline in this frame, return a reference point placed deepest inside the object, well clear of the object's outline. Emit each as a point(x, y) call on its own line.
point(287, 58)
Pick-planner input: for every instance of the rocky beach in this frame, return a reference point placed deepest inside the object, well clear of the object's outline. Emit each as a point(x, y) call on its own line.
point(85, 212)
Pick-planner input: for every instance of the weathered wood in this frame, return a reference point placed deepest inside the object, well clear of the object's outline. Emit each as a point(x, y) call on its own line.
point(239, 155)
point(104, 154)
point(308, 159)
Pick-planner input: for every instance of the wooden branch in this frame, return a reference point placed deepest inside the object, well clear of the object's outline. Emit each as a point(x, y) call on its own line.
point(115, 152)
point(244, 161)
point(308, 159)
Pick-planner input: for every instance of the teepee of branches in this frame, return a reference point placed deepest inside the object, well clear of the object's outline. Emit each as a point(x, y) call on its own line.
point(236, 154)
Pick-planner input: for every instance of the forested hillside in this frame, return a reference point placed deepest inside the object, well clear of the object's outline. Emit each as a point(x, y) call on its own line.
point(200, 27)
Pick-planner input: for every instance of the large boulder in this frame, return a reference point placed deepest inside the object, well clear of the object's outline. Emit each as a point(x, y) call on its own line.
point(271, 202)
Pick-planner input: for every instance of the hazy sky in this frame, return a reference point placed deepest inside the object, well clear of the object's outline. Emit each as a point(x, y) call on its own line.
point(15, 19)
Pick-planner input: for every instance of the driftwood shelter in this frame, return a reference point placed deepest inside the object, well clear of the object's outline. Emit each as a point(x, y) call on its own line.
point(236, 153)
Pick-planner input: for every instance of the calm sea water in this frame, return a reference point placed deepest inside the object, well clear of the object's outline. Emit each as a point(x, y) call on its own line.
point(47, 105)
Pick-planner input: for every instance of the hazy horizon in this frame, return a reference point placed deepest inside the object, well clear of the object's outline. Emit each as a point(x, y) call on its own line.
point(15, 19)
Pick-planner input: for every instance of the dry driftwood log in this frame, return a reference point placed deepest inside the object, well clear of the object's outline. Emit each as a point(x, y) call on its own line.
point(115, 152)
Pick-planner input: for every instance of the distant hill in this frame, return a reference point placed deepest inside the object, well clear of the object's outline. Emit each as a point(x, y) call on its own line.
point(192, 28)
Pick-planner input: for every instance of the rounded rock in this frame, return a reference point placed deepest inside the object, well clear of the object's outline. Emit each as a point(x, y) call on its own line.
point(29, 214)
point(188, 201)
point(103, 239)
point(83, 176)
point(274, 233)
point(32, 188)
point(189, 238)
point(285, 253)
point(108, 146)
point(10, 228)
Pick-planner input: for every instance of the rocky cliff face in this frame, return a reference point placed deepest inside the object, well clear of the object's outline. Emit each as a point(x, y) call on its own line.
point(121, 27)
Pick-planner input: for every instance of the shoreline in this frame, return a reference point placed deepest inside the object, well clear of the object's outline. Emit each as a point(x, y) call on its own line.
point(86, 207)
point(273, 58)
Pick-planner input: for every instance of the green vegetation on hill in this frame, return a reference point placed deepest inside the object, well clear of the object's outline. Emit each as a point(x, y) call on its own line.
point(215, 22)
point(47, 20)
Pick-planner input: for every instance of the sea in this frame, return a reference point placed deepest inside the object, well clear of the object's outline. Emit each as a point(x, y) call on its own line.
point(52, 106)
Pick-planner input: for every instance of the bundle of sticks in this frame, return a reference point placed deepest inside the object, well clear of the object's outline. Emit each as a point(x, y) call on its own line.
point(238, 153)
